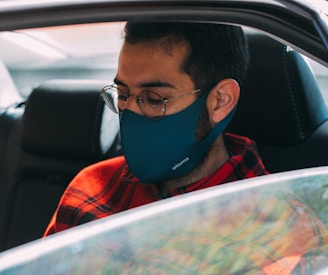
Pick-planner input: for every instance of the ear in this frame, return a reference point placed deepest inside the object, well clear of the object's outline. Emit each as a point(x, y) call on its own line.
point(222, 99)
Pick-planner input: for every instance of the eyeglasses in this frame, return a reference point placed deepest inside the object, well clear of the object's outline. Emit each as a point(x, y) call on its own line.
point(151, 104)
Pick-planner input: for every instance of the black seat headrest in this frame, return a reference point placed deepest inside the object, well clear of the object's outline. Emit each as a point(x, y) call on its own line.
point(280, 102)
point(63, 118)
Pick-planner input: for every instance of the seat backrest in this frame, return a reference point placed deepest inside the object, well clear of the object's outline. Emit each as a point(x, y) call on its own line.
point(59, 133)
point(282, 108)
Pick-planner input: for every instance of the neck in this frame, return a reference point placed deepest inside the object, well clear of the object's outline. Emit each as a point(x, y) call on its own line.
point(215, 157)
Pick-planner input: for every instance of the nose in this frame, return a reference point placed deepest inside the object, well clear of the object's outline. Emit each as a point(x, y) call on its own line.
point(132, 105)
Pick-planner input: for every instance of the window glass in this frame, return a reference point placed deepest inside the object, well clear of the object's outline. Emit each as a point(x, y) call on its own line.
point(226, 228)
point(321, 73)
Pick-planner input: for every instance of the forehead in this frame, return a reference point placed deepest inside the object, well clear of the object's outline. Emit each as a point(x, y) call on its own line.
point(146, 62)
point(159, 57)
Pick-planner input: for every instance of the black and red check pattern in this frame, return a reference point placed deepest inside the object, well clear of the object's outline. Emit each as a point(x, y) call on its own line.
point(109, 187)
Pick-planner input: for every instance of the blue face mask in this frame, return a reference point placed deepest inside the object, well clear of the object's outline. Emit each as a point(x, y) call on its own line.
point(160, 150)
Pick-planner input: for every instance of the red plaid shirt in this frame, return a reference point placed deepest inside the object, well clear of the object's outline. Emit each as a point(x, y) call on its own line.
point(109, 187)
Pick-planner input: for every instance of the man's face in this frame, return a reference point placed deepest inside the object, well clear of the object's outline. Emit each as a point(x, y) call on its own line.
point(144, 67)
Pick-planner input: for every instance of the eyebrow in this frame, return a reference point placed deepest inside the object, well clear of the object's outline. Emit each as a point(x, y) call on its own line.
point(149, 84)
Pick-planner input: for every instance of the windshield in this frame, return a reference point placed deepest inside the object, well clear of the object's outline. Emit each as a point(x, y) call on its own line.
point(198, 232)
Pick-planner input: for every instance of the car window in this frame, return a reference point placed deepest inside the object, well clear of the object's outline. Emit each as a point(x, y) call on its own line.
point(321, 73)
point(90, 51)
point(180, 234)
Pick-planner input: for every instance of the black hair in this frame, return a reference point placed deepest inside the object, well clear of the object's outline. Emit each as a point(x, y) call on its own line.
point(215, 51)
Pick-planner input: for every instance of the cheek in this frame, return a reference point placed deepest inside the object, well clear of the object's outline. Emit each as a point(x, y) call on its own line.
point(175, 107)
point(180, 104)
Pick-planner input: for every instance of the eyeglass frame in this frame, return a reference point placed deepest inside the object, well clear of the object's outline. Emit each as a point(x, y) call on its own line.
point(138, 100)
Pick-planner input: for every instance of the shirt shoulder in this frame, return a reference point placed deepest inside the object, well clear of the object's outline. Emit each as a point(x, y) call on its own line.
point(245, 161)
point(97, 191)
point(99, 174)
point(88, 195)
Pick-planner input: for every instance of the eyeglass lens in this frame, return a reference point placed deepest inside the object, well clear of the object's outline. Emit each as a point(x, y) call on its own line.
point(151, 104)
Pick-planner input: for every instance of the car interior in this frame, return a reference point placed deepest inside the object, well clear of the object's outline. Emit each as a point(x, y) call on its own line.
point(46, 140)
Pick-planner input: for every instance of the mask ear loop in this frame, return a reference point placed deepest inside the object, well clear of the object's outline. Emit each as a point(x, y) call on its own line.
point(219, 128)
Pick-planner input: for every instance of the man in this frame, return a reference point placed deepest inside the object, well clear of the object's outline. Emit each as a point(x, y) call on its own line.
point(177, 87)
point(176, 90)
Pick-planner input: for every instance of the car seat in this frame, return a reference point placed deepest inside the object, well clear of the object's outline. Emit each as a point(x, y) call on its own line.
point(59, 133)
point(281, 108)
